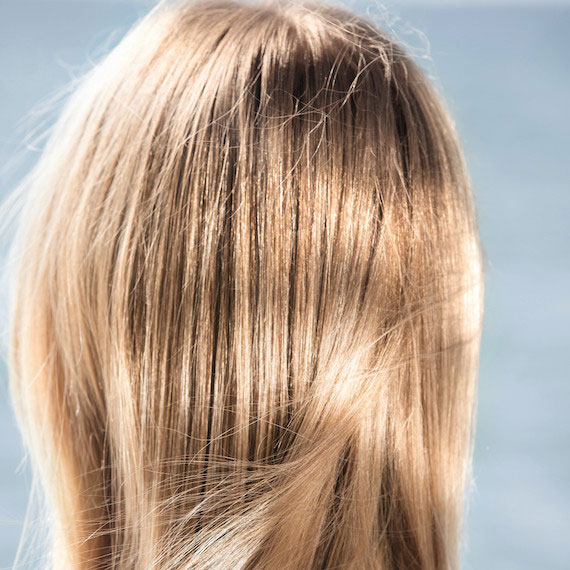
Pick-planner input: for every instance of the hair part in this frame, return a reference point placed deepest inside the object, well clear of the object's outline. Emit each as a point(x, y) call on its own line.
point(246, 320)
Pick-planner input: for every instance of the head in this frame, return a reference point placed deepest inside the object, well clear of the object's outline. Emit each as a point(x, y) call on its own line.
point(246, 316)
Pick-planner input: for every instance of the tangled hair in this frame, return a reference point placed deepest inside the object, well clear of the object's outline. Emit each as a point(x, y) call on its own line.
point(246, 316)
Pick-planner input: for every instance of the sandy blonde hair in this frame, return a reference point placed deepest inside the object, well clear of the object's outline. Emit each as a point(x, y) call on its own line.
point(245, 323)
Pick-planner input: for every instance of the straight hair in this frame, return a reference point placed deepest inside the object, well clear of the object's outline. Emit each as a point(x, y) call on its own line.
point(246, 315)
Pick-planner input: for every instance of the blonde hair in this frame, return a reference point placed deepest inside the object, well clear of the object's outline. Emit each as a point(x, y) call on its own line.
point(245, 323)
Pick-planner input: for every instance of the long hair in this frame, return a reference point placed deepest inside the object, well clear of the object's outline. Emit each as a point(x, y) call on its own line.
point(246, 315)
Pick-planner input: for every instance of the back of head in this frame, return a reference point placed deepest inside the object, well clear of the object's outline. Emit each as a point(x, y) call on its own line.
point(246, 319)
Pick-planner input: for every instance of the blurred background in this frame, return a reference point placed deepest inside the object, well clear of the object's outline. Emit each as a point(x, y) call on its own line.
point(504, 71)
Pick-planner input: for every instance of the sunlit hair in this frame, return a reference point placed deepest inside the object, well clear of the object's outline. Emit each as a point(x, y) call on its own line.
point(246, 315)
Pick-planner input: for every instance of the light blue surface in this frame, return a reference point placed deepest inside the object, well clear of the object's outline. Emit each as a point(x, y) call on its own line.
point(506, 77)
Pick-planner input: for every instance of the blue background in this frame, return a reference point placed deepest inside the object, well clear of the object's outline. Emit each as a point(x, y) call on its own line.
point(505, 73)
